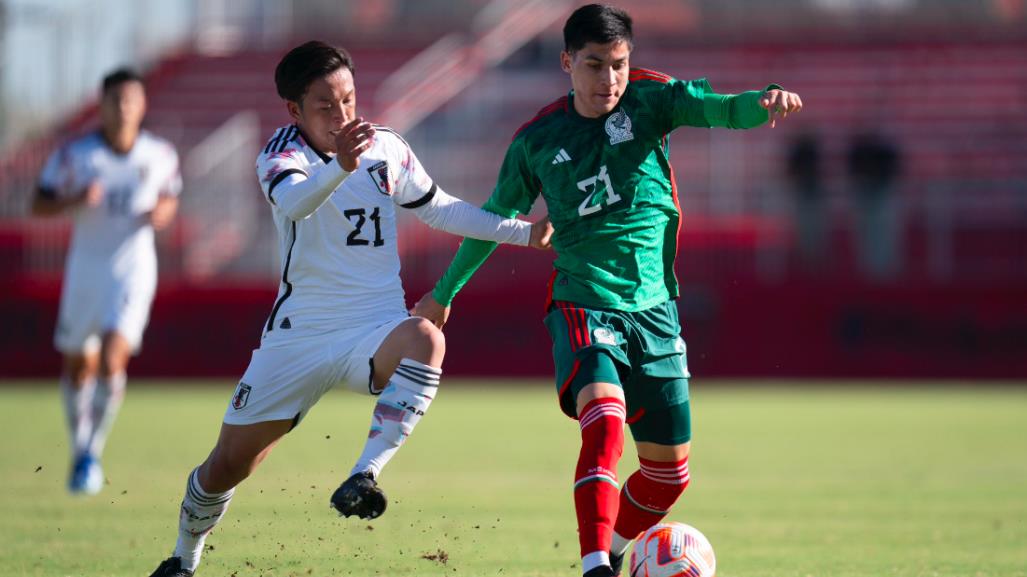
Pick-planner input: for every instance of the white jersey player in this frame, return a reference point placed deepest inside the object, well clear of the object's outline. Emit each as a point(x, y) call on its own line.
point(335, 184)
point(119, 183)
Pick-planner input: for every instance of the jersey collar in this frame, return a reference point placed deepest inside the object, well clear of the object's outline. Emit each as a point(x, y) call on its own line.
point(324, 156)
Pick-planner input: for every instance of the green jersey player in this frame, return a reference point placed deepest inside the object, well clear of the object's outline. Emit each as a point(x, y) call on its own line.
point(599, 159)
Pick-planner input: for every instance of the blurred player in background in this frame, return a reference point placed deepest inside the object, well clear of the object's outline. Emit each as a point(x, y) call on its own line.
point(334, 182)
point(599, 158)
point(120, 184)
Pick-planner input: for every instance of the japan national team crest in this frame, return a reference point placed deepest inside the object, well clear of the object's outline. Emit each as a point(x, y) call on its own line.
point(618, 126)
point(380, 175)
point(242, 394)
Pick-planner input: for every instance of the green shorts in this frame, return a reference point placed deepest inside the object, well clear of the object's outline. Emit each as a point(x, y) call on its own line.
point(642, 352)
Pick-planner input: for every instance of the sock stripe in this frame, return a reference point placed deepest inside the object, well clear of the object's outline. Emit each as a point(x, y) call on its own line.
point(633, 501)
point(593, 413)
point(599, 477)
point(668, 474)
point(416, 378)
point(197, 494)
point(603, 402)
point(420, 375)
point(667, 470)
point(428, 370)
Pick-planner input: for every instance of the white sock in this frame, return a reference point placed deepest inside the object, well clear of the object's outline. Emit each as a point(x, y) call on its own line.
point(620, 545)
point(593, 560)
point(405, 399)
point(107, 399)
point(201, 511)
point(77, 403)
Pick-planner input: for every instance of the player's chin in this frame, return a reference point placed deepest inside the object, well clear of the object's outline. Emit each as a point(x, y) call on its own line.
point(606, 104)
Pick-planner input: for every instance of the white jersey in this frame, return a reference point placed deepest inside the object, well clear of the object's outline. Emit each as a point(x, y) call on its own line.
point(117, 234)
point(337, 230)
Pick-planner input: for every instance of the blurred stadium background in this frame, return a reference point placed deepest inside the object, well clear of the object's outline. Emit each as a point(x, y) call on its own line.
point(882, 232)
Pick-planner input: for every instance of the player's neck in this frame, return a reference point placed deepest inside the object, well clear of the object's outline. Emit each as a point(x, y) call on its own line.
point(120, 140)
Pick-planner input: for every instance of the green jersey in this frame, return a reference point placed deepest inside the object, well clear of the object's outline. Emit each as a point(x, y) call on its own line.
point(609, 188)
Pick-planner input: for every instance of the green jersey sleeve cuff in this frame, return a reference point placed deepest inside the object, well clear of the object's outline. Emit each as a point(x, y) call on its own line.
point(735, 110)
point(469, 257)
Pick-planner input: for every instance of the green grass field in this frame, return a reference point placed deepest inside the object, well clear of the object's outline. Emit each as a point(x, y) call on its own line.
point(851, 480)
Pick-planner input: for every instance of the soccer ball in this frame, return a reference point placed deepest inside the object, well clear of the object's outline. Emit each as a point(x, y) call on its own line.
point(672, 550)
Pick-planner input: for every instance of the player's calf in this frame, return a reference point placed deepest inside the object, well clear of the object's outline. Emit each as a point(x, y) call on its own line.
point(646, 499)
point(400, 407)
point(595, 480)
point(200, 512)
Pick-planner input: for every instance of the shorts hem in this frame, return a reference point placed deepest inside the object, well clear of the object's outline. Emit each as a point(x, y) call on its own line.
point(262, 418)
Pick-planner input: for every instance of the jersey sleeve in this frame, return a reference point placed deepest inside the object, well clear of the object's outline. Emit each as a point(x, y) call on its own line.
point(57, 174)
point(694, 103)
point(172, 185)
point(414, 188)
point(515, 193)
point(274, 168)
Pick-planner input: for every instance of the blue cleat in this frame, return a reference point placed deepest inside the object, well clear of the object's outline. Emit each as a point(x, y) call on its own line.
point(86, 476)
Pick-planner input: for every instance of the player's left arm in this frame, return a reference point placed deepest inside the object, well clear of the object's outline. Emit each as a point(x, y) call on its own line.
point(166, 207)
point(450, 214)
point(694, 103)
point(163, 212)
point(416, 191)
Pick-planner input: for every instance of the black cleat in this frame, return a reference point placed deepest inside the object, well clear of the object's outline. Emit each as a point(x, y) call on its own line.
point(616, 562)
point(600, 571)
point(171, 567)
point(359, 495)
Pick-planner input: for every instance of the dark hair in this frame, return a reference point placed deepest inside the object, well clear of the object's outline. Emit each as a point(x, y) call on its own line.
point(305, 64)
point(118, 77)
point(596, 23)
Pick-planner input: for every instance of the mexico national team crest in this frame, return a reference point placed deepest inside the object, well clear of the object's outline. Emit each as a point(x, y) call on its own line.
point(618, 126)
point(605, 336)
point(380, 175)
point(242, 395)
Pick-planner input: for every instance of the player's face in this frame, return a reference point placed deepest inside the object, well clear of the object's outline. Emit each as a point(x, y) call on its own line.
point(599, 76)
point(123, 106)
point(330, 102)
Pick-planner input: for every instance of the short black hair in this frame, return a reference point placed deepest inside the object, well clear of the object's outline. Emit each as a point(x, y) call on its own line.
point(306, 63)
point(597, 23)
point(118, 77)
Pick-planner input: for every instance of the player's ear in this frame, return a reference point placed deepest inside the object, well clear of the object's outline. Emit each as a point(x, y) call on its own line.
point(565, 61)
point(294, 110)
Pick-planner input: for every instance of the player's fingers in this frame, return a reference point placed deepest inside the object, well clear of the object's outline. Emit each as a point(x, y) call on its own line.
point(360, 136)
point(353, 122)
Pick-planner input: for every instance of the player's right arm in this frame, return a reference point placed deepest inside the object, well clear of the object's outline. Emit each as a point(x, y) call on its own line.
point(516, 190)
point(299, 194)
point(50, 202)
point(56, 191)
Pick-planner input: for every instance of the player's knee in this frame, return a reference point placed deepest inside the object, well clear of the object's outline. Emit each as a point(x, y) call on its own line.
point(426, 343)
point(112, 363)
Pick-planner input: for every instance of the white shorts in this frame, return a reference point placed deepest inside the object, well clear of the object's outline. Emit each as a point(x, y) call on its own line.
point(93, 304)
point(288, 374)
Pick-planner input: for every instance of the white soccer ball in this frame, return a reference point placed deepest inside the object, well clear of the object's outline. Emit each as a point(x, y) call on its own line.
point(672, 550)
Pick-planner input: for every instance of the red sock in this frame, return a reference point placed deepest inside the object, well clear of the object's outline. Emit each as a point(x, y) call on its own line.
point(595, 480)
point(649, 494)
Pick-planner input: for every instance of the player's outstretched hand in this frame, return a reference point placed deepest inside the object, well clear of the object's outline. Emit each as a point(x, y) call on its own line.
point(430, 309)
point(780, 103)
point(541, 234)
point(352, 140)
